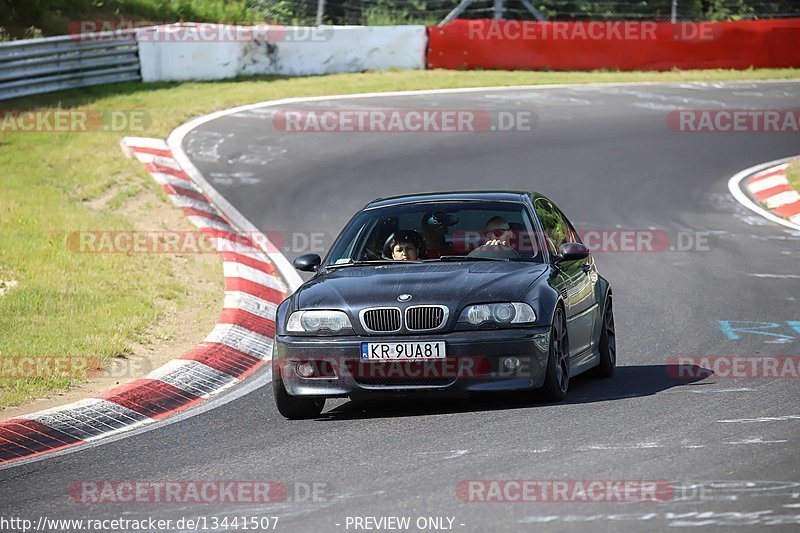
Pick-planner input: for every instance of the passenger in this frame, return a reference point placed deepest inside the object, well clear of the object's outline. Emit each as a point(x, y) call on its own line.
point(403, 246)
point(434, 228)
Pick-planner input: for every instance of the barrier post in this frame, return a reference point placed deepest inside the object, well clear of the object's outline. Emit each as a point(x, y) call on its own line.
point(498, 9)
point(320, 12)
point(453, 15)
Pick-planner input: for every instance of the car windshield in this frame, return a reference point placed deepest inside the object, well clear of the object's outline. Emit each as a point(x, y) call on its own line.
point(441, 231)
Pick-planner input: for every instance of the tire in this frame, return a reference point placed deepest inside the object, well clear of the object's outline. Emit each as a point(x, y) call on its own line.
point(608, 343)
point(294, 407)
point(556, 380)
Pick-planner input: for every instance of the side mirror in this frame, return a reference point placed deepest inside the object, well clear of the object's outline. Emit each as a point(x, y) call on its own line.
point(307, 263)
point(572, 251)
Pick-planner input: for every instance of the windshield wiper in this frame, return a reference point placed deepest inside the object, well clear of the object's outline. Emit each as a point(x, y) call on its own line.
point(372, 262)
point(472, 258)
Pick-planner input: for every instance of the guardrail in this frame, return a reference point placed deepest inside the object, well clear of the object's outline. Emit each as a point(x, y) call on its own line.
point(35, 66)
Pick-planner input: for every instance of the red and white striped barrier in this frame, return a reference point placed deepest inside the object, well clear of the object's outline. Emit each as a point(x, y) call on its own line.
point(771, 189)
point(239, 344)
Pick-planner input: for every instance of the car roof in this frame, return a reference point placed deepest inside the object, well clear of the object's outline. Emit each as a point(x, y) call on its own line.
point(486, 196)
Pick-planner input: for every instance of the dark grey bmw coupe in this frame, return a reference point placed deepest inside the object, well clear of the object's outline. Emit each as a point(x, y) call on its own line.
point(466, 291)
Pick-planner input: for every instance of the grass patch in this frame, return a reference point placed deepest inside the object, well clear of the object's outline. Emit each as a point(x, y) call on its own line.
point(793, 175)
point(384, 16)
point(67, 303)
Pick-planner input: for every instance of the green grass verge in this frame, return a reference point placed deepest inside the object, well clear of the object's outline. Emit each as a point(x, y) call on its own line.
point(74, 304)
point(793, 175)
point(67, 303)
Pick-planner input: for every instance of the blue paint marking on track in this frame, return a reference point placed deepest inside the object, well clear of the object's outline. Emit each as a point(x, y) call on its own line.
point(734, 329)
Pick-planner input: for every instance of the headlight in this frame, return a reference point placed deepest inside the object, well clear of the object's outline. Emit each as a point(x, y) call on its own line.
point(314, 321)
point(503, 313)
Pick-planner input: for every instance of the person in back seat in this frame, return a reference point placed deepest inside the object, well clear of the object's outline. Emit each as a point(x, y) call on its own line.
point(434, 229)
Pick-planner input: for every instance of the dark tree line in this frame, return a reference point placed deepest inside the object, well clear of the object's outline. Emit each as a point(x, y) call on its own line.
point(32, 18)
point(361, 11)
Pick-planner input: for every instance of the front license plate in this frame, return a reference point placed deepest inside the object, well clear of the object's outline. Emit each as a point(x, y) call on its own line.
point(402, 351)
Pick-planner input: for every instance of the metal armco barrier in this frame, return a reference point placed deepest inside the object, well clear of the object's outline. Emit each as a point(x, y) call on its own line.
point(34, 66)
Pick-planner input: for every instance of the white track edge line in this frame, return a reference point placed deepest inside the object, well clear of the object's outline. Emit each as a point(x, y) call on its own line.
point(735, 188)
point(243, 388)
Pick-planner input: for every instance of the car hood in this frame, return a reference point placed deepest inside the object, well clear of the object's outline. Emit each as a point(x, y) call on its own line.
point(452, 284)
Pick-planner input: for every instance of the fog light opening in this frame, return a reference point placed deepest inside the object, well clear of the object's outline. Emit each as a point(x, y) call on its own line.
point(512, 363)
point(304, 370)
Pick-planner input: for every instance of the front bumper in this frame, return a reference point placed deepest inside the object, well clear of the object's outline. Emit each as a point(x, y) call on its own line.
point(475, 362)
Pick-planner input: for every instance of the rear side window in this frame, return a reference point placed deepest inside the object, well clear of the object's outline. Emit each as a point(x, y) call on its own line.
point(573, 234)
point(557, 230)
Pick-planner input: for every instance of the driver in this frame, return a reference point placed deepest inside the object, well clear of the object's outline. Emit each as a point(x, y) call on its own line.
point(498, 232)
point(498, 240)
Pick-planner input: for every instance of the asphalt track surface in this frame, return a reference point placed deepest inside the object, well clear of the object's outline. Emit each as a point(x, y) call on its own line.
point(608, 158)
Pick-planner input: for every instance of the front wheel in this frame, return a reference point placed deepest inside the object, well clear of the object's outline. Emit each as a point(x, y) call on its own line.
point(294, 407)
point(608, 343)
point(556, 380)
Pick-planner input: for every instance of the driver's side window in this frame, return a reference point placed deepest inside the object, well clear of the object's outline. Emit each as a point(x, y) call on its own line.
point(383, 228)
